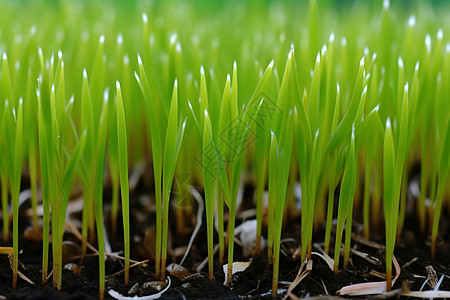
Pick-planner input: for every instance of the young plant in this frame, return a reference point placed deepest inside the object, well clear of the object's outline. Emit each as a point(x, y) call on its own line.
point(57, 172)
point(123, 172)
point(279, 163)
point(173, 140)
point(393, 164)
point(346, 202)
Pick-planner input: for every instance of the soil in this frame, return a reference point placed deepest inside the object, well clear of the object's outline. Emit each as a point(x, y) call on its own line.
point(254, 283)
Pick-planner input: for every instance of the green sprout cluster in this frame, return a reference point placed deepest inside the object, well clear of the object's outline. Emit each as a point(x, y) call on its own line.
point(283, 92)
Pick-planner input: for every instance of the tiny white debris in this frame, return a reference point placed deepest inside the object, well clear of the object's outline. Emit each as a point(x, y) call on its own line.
point(440, 34)
point(237, 267)
point(119, 38)
point(331, 37)
point(400, 62)
point(144, 18)
point(158, 295)
point(101, 40)
point(386, 4)
point(412, 21)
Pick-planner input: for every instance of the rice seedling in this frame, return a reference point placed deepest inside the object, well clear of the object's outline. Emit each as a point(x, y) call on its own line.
point(123, 173)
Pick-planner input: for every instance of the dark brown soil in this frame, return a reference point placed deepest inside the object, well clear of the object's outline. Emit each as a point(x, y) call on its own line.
point(253, 283)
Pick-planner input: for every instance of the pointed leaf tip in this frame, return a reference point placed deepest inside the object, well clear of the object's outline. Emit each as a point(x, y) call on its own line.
point(106, 94)
point(440, 34)
point(406, 87)
point(386, 4)
point(139, 59)
point(144, 18)
point(324, 50)
point(376, 108)
point(400, 62)
point(412, 21)
point(331, 37)
point(388, 123)
point(119, 38)
point(5, 57)
point(271, 64)
point(101, 40)
point(117, 84)
point(84, 73)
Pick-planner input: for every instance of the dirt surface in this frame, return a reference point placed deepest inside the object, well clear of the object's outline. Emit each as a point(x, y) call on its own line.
point(254, 283)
